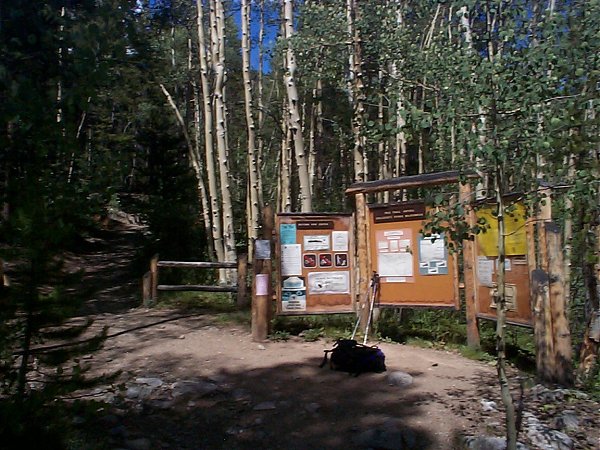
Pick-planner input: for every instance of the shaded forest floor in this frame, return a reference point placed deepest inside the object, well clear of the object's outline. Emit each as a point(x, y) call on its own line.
point(195, 380)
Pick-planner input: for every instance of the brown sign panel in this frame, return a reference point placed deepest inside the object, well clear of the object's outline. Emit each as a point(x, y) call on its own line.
point(315, 225)
point(315, 270)
point(414, 269)
point(398, 212)
point(518, 307)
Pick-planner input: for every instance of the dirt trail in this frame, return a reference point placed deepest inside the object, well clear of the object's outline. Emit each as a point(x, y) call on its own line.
point(193, 382)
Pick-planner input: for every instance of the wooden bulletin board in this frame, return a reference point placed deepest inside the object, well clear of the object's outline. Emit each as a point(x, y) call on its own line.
point(518, 303)
point(315, 263)
point(414, 270)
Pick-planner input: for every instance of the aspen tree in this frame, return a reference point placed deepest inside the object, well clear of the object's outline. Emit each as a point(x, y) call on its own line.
point(253, 169)
point(213, 191)
point(293, 114)
point(357, 93)
point(217, 19)
point(480, 126)
point(259, 94)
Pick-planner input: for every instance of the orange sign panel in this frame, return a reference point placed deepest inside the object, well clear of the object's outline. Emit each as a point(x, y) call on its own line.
point(315, 263)
point(414, 269)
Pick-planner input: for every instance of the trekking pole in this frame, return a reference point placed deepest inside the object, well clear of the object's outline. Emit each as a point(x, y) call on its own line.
point(375, 284)
point(366, 296)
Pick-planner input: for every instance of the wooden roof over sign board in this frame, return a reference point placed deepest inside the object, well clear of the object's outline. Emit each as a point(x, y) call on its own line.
point(425, 179)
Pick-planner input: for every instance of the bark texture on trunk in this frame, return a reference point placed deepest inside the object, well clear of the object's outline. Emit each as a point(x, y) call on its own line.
point(253, 169)
point(211, 171)
point(294, 119)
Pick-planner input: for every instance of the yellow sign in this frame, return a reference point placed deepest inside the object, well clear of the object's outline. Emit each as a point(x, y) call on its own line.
point(515, 240)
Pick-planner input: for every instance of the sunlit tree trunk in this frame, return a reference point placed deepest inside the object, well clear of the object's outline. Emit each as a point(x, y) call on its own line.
point(478, 127)
point(358, 96)
point(211, 172)
point(382, 146)
point(253, 169)
point(316, 128)
point(285, 169)
point(511, 423)
point(217, 17)
point(261, 106)
point(200, 166)
point(293, 114)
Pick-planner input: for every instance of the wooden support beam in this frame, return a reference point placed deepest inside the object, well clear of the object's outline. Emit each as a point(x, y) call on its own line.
point(469, 270)
point(421, 180)
point(147, 289)
point(154, 277)
point(242, 280)
point(199, 264)
point(262, 295)
point(362, 250)
point(195, 287)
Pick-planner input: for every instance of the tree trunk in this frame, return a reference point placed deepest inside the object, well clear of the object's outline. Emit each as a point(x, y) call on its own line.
point(358, 96)
point(218, 59)
point(253, 169)
point(261, 107)
point(510, 420)
point(294, 111)
point(200, 169)
point(211, 171)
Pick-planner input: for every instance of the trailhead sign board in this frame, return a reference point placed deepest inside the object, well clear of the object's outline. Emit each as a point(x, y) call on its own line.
point(414, 269)
point(517, 283)
point(315, 262)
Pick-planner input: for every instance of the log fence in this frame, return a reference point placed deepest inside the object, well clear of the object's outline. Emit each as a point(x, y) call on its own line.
point(151, 286)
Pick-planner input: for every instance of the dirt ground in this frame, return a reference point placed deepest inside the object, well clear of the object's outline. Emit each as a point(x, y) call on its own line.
point(191, 381)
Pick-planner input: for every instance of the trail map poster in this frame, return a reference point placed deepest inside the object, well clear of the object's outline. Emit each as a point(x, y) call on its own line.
point(315, 264)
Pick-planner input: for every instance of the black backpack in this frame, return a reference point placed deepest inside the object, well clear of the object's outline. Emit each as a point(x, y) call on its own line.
point(347, 355)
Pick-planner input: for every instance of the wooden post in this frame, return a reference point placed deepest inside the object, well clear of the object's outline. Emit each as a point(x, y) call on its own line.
point(561, 336)
point(154, 277)
point(469, 265)
point(362, 253)
point(242, 276)
point(262, 299)
point(147, 289)
point(543, 348)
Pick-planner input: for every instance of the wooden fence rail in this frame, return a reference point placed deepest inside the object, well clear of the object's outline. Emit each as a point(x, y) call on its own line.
point(150, 286)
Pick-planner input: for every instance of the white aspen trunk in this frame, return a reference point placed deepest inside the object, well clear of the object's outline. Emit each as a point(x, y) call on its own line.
point(350, 37)
point(295, 123)
point(568, 229)
point(285, 195)
point(400, 144)
point(382, 145)
point(316, 128)
point(197, 160)
point(426, 46)
point(510, 419)
point(59, 92)
point(218, 57)
point(259, 92)
point(360, 161)
point(480, 126)
point(253, 211)
point(216, 222)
